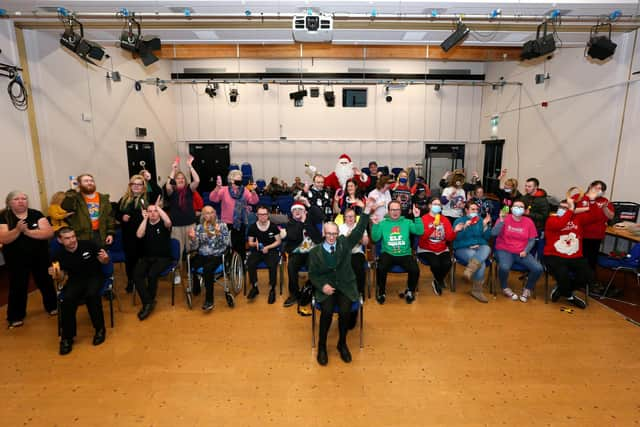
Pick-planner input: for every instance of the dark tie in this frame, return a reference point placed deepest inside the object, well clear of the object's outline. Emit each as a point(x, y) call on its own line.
point(333, 249)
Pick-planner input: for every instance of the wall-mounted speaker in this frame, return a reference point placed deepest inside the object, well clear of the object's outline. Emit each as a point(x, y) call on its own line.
point(141, 132)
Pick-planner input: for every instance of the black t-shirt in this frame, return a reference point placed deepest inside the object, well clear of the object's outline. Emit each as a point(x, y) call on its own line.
point(83, 262)
point(265, 237)
point(23, 245)
point(402, 194)
point(157, 240)
point(178, 216)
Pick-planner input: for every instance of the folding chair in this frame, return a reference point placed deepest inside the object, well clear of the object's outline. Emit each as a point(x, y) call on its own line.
point(628, 264)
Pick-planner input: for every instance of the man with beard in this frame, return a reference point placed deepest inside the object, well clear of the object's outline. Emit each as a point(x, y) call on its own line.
point(317, 199)
point(92, 218)
point(343, 172)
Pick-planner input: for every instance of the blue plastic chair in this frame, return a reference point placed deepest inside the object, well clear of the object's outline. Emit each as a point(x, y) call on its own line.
point(628, 264)
point(355, 306)
point(233, 166)
point(396, 171)
point(384, 170)
point(267, 201)
point(247, 173)
point(366, 170)
point(171, 270)
point(284, 204)
point(116, 251)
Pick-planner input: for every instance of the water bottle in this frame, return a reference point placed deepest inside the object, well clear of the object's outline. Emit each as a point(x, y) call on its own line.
point(260, 247)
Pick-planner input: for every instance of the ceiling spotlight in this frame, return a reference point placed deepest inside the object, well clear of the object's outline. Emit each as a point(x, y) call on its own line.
point(457, 37)
point(161, 85)
point(298, 96)
point(330, 98)
point(211, 89)
point(542, 45)
point(143, 46)
point(76, 42)
point(233, 95)
point(436, 87)
point(265, 86)
point(600, 47)
point(314, 92)
point(388, 97)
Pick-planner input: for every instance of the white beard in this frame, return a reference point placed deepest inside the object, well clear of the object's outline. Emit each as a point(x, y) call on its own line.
point(344, 173)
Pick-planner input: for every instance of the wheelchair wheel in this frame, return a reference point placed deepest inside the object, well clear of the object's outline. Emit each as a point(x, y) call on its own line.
point(188, 296)
point(230, 301)
point(237, 273)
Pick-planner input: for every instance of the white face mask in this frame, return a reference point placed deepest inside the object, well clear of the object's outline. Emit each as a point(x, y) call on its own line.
point(507, 190)
point(599, 194)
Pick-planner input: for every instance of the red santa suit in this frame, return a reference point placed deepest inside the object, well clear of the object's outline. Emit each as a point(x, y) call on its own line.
point(332, 181)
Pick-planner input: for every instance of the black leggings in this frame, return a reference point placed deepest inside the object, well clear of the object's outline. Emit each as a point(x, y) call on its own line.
point(440, 264)
point(19, 270)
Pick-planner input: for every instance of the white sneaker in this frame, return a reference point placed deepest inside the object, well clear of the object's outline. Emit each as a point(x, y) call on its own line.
point(508, 292)
point(526, 293)
point(177, 279)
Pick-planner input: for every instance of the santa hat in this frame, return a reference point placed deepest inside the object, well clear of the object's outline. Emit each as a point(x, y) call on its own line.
point(298, 205)
point(344, 156)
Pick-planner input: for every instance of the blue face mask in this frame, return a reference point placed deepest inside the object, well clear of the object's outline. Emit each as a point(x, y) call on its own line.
point(561, 211)
point(436, 209)
point(473, 214)
point(403, 180)
point(517, 211)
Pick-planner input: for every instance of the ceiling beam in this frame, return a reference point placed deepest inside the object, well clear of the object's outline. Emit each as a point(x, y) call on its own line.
point(327, 50)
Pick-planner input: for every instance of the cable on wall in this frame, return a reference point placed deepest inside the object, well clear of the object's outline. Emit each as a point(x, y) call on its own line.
point(16, 90)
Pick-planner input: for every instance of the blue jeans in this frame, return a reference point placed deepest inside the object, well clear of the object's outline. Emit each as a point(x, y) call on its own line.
point(481, 253)
point(507, 259)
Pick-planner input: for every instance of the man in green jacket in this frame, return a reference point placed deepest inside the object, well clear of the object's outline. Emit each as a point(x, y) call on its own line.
point(395, 232)
point(332, 277)
point(92, 218)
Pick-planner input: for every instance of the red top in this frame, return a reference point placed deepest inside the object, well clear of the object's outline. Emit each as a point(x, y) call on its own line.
point(435, 236)
point(595, 227)
point(563, 234)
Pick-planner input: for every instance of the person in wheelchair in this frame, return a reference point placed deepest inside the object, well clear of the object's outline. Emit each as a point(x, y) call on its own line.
point(78, 261)
point(211, 238)
point(264, 236)
point(334, 281)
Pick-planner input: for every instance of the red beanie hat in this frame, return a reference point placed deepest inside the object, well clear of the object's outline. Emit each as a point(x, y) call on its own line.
point(344, 156)
point(298, 205)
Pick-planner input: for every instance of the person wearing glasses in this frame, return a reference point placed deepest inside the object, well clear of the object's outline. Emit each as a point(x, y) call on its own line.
point(394, 232)
point(334, 281)
point(264, 237)
point(129, 215)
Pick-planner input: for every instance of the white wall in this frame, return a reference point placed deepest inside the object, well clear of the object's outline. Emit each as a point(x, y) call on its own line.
point(16, 149)
point(266, 129)
point(574, 140)
point(65, 88)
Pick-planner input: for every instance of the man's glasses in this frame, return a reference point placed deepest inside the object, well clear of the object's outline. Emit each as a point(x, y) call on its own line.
point(331, 234)
point(394, 210)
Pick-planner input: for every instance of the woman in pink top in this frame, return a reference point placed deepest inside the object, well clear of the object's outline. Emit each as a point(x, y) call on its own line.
point(516, 236)
point(234, 199)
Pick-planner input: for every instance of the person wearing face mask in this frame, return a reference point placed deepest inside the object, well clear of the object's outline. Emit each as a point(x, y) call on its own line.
point(595, 203)
point(234, 200)
point(508, 191)
point(515, 237)
point(401, 192)
point(433, 244)
point(471, 246)
point(563, 251)
point(453, 198)
point(536, 203)
point(478, 197)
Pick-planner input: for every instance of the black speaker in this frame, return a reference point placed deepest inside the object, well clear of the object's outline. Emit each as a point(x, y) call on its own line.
point(330, 98)
point(601, 47)
point(141, 132)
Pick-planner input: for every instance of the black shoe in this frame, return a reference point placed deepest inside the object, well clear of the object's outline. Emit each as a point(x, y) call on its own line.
point(578, 302)
point(146, 310)
point(381, 298)
point(99, 337)
point(409, 297)
point(272, 296)
point(207, 306)
point(345, 354)
point(555, 294)
point(437, 289)
point(253, 293)
point(292, 300)
point(66, 345)
point(323, 357)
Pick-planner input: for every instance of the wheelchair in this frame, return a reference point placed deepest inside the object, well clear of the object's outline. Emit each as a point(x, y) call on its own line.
point(229, 274)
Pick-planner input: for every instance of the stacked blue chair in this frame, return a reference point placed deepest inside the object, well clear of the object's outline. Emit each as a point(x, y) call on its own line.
point(261, 184)
point(233, 166)
point(247, 173)
point(396, 171)
point(366, 171)
point(384, 170)
point(284, 204)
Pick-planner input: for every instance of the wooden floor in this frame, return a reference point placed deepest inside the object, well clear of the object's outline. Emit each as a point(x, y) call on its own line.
point(441, 361)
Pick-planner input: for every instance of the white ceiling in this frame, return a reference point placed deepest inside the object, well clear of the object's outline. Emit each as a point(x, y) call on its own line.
point(372, 31)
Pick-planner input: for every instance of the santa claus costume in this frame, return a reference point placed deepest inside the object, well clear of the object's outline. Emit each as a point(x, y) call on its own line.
point(343, 172)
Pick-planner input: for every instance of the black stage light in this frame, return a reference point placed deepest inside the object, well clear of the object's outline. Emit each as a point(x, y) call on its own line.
point(76, 42)
point(330, 98)
point(457, 37)
point(600, 47)
point(233, 95)
point(298, 95)
point(265, 86)
point(314, 92)
point(143, 46)
point(542, 45)
point(211, 89)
